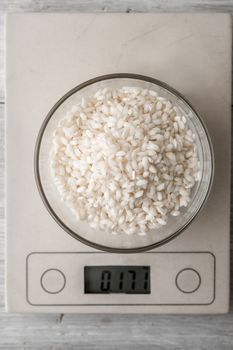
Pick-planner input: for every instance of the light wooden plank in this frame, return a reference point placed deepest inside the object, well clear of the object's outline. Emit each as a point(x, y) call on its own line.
point(2, 205)
point(2, 62)
point(96, 332)
point(120, 5)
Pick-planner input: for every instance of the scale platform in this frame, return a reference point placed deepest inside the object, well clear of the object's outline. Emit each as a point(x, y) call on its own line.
point(47, 55)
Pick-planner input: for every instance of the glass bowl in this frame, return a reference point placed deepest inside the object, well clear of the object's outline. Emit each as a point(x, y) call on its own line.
point(121, 243)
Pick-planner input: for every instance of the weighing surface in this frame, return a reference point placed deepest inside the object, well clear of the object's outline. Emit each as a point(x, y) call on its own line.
point(59, 52)
point(161, 319)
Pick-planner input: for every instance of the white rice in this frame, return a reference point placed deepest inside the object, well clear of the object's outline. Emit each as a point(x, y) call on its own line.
point(124, 160)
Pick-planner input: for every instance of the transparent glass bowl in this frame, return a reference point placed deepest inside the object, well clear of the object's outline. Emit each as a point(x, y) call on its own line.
point(121, 243)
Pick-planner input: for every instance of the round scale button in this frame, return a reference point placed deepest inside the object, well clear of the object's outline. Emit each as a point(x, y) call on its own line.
point(188, 280)
point(53, 281)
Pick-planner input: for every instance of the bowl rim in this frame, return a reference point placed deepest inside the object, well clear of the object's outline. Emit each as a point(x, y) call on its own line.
point(37, 168)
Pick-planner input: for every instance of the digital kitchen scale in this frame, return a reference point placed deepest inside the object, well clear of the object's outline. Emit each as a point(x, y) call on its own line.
point(47, 269)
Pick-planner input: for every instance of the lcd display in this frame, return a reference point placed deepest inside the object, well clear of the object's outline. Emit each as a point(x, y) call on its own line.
point(117, 279)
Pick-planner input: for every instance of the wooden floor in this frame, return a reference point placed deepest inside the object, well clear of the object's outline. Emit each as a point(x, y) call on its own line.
point(101, 332)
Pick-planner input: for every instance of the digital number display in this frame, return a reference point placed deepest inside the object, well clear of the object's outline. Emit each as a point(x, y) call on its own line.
point(117, 279)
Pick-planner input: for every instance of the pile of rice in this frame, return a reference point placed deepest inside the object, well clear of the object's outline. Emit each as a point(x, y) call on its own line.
point(124, 160)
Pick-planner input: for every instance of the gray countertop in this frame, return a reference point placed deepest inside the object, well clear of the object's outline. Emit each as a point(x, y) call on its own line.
point(55, 331)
